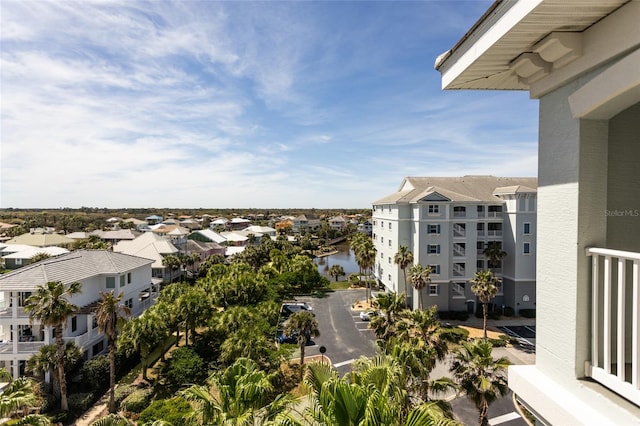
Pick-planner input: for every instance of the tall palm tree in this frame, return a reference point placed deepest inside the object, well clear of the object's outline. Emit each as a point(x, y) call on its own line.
point(420, 278)
point(392, 309)
point(171, 263)
point(484, 285)
point(305, 325)
point(108, 313)
point(480, 376)
point(493, 251)
point(404, 258)
point(337, 271)
point(49, 306)
point(366, 257)
point(44, 361)
point(141, 335)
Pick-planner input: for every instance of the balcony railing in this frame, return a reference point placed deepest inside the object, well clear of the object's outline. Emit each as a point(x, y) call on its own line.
point(494, 214)
point(458, 270)
point(615, 317)
point(494, 232)
point(458, 251)
point(7, 312)
point(459, 231)
point(23, 347)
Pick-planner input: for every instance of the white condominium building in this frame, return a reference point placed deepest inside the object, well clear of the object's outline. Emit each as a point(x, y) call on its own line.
point(446, 223)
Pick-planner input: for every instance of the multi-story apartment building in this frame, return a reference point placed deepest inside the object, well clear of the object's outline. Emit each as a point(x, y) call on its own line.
point(581, 61)
point(97, 271)
point(447, 222)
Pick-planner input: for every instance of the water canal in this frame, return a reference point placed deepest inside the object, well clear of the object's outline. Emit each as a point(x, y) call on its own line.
point(344, 257)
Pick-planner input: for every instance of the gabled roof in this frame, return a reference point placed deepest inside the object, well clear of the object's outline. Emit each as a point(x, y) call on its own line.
point(235, 236)
point(515, 189)
point(120, 234)
point(455, 189)
point(259, 229)
point(71, 267)
point(149, 246)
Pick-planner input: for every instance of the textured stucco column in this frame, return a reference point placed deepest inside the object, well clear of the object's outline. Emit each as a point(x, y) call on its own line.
point(571, 216)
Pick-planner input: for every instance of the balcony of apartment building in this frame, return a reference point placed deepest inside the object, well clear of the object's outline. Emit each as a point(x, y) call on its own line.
point(494, 211)
point(459, 250)
point(480, 231)
point(458, 269)
point(615, 321)
point(480, 211)
point(494, 230)
point(22, 338)
point(459, 211)
point(459, 230)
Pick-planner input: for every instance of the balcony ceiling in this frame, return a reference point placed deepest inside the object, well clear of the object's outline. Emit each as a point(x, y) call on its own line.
point(490, 69)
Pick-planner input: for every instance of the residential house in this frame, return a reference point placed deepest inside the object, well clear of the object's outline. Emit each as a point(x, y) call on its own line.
point(97, 271)
point(263, 230)
point(447, 222)
point(41, 239)
point(153, 219)
point(16, 256)
point(153, 247)
point(338, 223)
point(581, 61)
point(305, 222)
point(365, 227)
point(208, 236)
point(238, 223)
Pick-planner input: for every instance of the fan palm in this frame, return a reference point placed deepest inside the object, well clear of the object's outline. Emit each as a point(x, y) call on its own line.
point(305, 325)
point(493, 251)
point(141, 335)
point(484, 285)
point(404, 258)
point(49, 306)
point(108, 314)
point(481, 377)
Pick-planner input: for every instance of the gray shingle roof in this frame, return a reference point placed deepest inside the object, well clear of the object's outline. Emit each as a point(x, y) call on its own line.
point(457, 189)
point(70, 267)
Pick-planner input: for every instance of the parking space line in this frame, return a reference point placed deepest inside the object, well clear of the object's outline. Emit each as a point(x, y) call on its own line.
point(340, 364)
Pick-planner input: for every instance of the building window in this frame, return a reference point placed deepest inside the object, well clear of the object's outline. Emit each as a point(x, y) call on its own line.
point(121, 280)
point(128, 303)
point(389, 259)
point(389, 278)
point(129, 278)
point(435, 269)
point(389, 225)
point(381, 255)
point(434, 209)
point(97, 348)
point(382, 240)
point(74, 324)
point(382, 224)
point(527, 228)
point(18, 261)
point(433, 249)
point(458, 290)
point(433, 229)
point(527, 248)
point(499, 287)
point(111, 282)
point(459, 211)
point(389, 243)
point(434, 289)
point(480, 265)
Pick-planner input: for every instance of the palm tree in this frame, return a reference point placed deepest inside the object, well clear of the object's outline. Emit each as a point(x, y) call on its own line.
point(485, 288)
point(391, 306)
point(49, 306)
point(480, 376)
point(337, 271)
point(171, 263)
point(420, 278)
point(108, 313)
point(40, 256)
point(493, 251)
point(237, 396)
point(44, 361)
point(305, 325)
point(17, 395)
point(141, 335)
point(404, 258)
point(366, 257)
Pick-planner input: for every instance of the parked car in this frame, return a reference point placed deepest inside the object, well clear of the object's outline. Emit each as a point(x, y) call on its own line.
point(368, 315)
point(293, 338)
point(289, 308)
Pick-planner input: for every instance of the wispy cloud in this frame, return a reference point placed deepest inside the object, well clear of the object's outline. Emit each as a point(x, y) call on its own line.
point(241, 104)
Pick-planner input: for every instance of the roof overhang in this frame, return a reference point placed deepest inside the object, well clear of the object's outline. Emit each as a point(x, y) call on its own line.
point(518, 43)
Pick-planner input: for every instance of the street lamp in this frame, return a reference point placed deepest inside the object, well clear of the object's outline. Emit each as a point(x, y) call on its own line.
point(322, 351)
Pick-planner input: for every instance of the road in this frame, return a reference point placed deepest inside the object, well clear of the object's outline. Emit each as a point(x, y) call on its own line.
point(346, 338)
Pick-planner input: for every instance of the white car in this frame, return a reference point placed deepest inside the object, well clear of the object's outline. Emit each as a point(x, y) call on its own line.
point(368, 315)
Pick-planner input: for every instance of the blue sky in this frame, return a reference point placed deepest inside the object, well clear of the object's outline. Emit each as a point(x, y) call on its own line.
point(242, 104)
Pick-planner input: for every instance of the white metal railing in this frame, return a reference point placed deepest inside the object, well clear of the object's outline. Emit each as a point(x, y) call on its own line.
point(480, 232)
point(615, 317)
point(458, 271)
point(458, 230)
point(8, 312)
point(494, 214)
point(457, 213)
point(458, 290)
point(458, 251)
point(494, 232)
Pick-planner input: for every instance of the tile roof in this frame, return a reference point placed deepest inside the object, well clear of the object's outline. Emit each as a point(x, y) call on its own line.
point(71, 267)
point(457, 189)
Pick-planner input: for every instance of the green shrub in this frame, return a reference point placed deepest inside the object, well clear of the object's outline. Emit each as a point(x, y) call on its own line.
point(499, 343)
point(123, 391)
point(95, 373)
point(176, 411)
point(184, 367)
point(454, 334)
point(527, 313)
point(453, 315)
point(80, 402)
point(137, 401)
point(509, 311)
